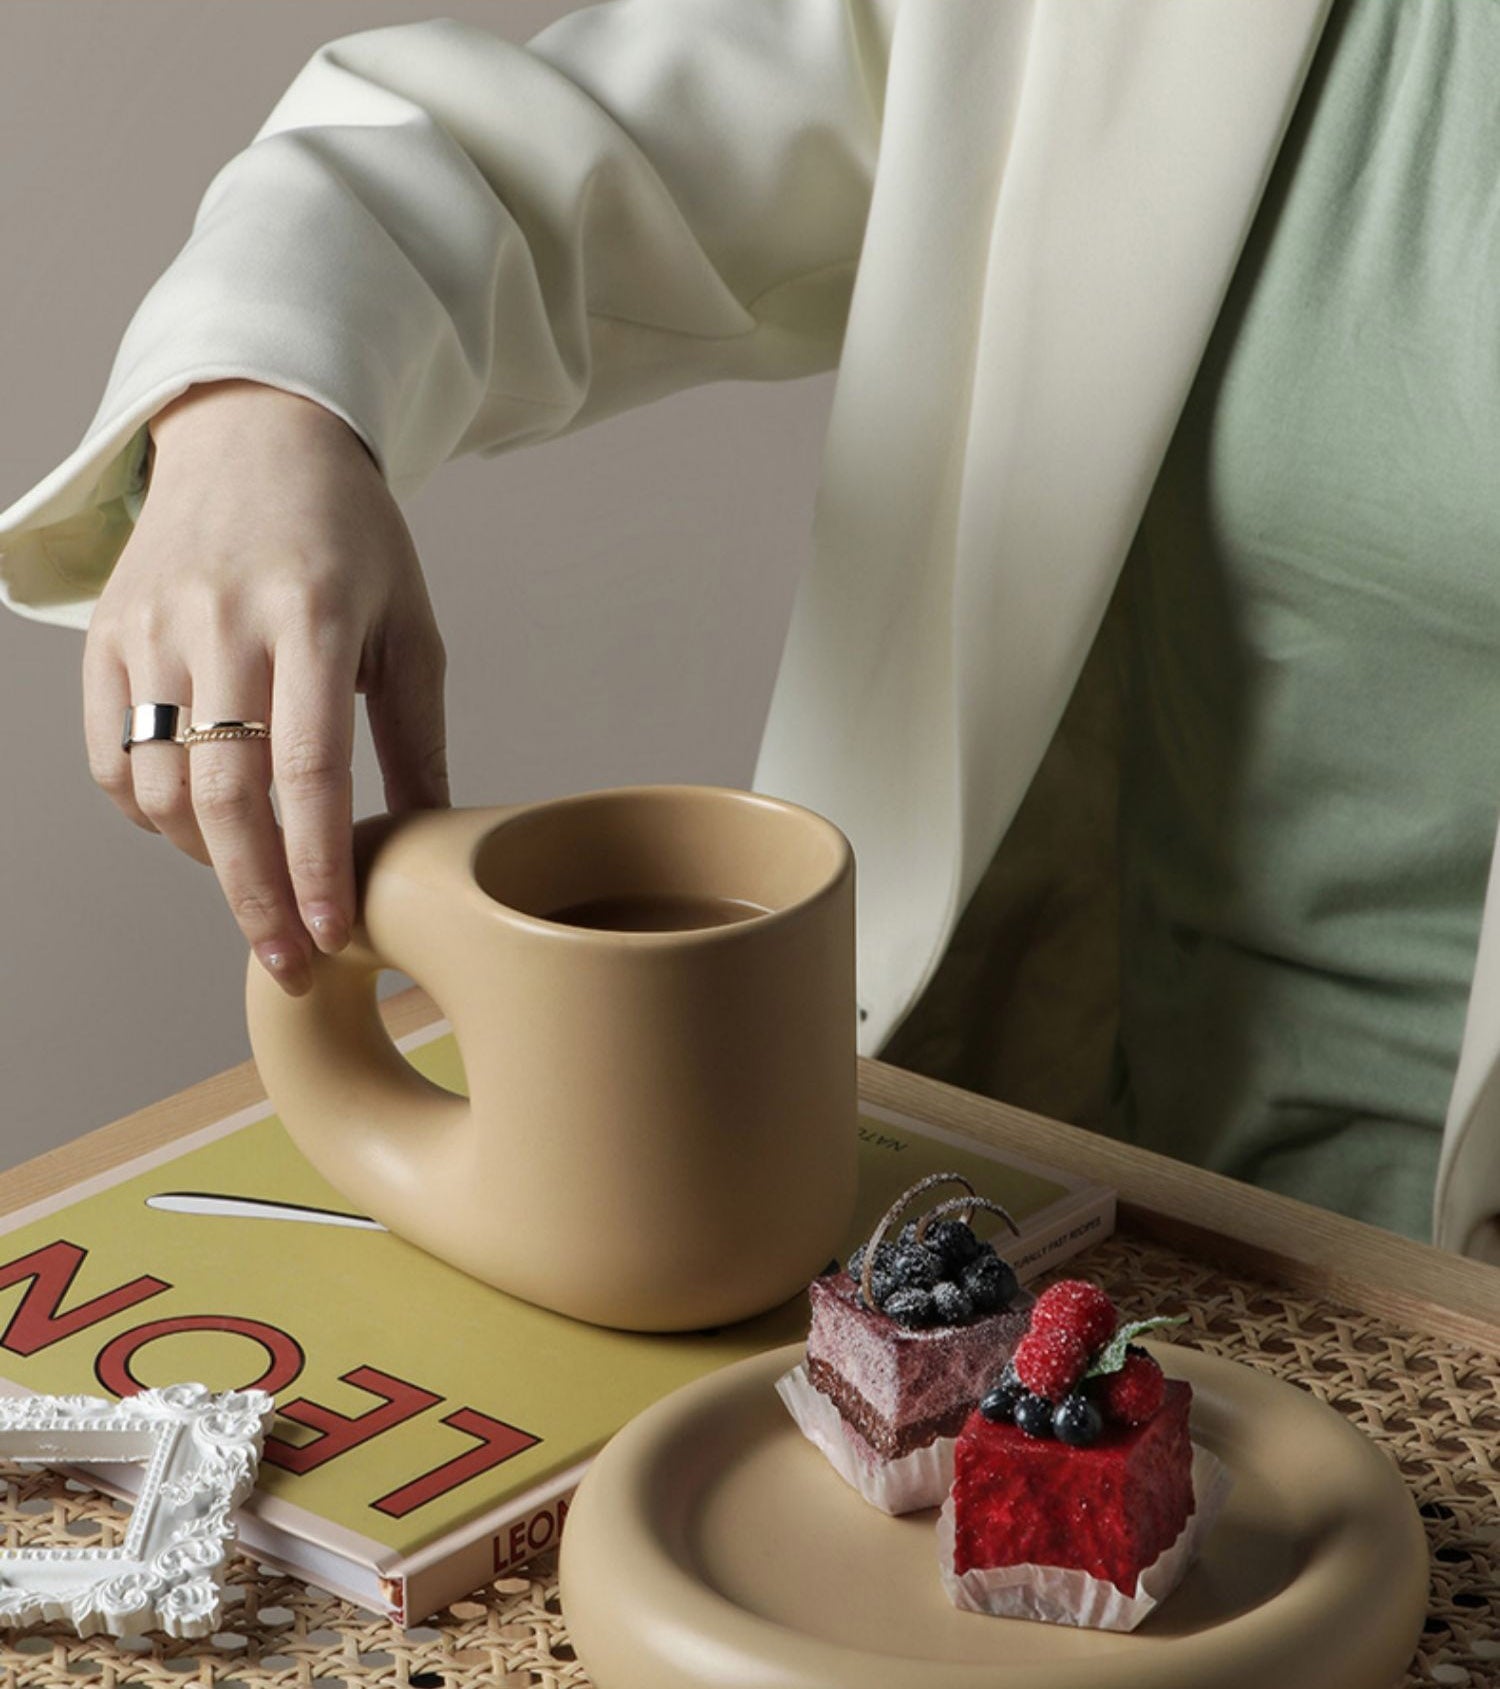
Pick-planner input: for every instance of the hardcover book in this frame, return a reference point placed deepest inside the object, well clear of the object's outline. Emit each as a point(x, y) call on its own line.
point(429, 1428)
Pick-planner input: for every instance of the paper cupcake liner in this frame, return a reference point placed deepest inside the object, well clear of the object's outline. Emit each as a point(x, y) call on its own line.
point(904, 1484)
point(1065, 1595)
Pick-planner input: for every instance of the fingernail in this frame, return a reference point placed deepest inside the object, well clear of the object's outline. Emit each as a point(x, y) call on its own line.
point(330, 933)
point(286, 967)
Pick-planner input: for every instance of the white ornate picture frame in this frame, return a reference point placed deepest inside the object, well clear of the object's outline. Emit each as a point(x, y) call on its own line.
point(200, 1452)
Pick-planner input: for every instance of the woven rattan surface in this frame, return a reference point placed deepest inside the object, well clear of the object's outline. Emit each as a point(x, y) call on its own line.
point(1433, 1406)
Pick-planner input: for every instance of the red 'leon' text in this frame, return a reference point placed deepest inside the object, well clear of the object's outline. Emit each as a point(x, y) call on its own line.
point(532, 1535)
point(39, 1321)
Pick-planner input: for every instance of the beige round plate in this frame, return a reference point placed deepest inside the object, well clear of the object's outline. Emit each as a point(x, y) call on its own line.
point(711, 1547)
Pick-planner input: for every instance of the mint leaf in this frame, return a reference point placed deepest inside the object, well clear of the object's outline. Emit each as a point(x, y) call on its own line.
point(1112, 1356)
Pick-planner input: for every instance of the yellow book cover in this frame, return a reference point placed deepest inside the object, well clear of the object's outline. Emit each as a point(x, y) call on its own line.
point(426, 1423)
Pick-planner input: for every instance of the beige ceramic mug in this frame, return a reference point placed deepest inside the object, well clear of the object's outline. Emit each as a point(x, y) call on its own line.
point(652, 992)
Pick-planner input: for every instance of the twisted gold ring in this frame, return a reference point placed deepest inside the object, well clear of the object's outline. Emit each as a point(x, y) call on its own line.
point(211, 732)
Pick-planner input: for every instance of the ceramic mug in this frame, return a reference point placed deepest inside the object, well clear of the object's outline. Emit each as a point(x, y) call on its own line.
point(652, 993)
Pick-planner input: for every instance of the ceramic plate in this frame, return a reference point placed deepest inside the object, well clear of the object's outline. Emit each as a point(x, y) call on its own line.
point(711, 1547)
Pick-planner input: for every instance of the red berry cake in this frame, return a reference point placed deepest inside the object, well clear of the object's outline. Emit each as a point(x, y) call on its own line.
point(1108, 1509)
point(902, 1344)
point(1078, 1460)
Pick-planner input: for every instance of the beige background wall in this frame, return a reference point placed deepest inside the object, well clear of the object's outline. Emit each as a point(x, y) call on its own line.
point(683, 527)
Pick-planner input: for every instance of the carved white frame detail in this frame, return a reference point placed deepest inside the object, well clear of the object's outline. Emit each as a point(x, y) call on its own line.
point(201, 1452)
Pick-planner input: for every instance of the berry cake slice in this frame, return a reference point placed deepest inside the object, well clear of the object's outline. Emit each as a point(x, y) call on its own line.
point(900, 1387)
point(1108, 1509)
point(1078, 1461)
point(902, 1344)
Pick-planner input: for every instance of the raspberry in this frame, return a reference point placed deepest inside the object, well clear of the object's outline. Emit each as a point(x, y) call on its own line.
point(1079, 1308)
point(1134, 1393)
point(1050, 1363)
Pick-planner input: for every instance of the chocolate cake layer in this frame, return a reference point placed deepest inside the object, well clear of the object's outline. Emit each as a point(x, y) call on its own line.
point(886, 1440)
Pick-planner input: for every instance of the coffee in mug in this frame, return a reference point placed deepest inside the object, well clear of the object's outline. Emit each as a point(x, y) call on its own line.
point(662, 912)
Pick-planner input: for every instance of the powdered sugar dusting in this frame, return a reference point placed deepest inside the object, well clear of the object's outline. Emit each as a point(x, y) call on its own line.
point(908, 1375)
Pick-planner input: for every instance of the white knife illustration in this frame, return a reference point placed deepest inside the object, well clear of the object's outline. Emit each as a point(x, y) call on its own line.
point(256, 1208)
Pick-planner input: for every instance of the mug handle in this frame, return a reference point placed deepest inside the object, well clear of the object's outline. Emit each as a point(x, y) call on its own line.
point(376, 1129)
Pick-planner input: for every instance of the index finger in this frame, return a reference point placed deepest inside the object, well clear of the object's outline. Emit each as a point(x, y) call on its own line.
point(312, 747)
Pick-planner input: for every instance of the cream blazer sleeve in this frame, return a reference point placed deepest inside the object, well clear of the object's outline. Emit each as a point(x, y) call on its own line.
point(459, 245)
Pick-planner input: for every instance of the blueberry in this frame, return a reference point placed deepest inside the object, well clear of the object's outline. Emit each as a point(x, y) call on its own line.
point(1033, 1414)
point(1010, 1285)
point(981, 1299)
point(914, 1265)
point(989, 1282)
point(909, 1305)
point(882, 1280)
point(952, 1304)
point(981, 1283)
point(1076, 1421)
point(999, 1402)
point(882, 1286)
point(955, 1241)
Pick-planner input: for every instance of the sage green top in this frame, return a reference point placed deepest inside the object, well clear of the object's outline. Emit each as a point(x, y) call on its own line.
point(1312, 728)
point(1302, 667)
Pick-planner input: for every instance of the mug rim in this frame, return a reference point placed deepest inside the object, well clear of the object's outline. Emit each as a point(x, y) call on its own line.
point(841, 866)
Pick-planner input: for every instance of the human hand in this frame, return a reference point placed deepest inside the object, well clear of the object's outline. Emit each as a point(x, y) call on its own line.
point(271, 577)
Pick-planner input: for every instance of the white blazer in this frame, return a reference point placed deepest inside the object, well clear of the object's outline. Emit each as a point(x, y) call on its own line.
point(1009, 222)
